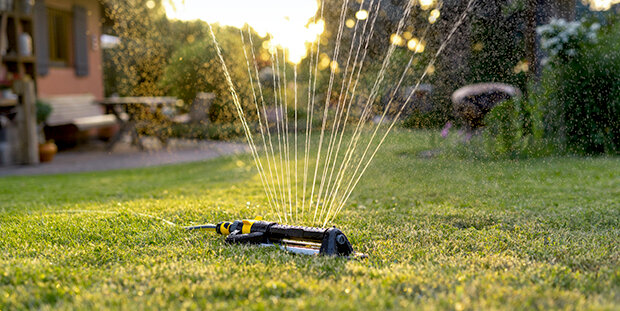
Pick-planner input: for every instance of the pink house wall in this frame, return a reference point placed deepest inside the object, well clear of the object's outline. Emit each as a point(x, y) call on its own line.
point(62, 80)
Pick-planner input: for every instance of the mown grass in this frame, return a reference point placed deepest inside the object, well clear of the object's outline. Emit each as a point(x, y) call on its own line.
point(441, 233)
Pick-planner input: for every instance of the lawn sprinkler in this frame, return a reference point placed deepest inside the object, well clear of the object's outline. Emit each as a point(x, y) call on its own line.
point(295, 239)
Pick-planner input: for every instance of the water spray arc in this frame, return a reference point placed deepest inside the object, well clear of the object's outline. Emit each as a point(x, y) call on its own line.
point(313, 187)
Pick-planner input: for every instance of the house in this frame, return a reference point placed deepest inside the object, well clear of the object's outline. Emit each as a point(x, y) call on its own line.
point(68, 53)
point(55, 44)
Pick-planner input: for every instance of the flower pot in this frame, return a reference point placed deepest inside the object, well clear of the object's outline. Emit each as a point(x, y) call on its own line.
point(47, 151)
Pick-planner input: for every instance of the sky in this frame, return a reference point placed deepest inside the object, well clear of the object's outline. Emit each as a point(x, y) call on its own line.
point(290, 22)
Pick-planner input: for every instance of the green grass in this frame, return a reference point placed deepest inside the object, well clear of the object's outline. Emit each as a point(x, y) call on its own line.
point(441, 233)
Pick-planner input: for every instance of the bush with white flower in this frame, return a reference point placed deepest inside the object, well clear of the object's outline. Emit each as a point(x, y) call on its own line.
point(581, 84)
point(563, 40)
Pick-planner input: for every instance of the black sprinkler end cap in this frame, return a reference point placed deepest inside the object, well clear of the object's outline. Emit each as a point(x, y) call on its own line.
point(335, 243)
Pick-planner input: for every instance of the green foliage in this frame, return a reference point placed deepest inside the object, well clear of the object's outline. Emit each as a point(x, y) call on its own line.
point(503, 128)
point(575, 109)
point(514, 129)
point(442, 234)
point(211, 131)
point(195, 68)
point(425, 120)
point(414, 117)
point(134, 67)
point(43, 111)
point(146, 41)
point(497, 43)
point(158, 57)
point(582, 110)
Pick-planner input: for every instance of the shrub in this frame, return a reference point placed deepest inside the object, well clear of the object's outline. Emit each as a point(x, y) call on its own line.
point(513, 130)
point(205, 131)
point(576, 107)
point(563, 40)
point(582, 86)
point(195, 67)
point(431, 119)
point(43, 111)
point(503, 127)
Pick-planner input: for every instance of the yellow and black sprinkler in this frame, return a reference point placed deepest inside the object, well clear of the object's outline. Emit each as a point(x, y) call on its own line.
point(295, 239)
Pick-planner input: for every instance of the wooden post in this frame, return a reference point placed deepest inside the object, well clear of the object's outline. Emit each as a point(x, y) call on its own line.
point(27, 122)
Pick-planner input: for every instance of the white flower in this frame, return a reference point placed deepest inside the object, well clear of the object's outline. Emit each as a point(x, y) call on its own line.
point(592, 37)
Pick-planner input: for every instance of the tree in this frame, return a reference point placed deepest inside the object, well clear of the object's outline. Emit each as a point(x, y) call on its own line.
point(195, 67)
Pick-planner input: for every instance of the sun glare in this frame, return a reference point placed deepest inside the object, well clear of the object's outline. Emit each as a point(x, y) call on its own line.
point(416, 45)
point(361, 14)
point(433, 16)
point(600, 5)
point(289, 23)
point(426, 4)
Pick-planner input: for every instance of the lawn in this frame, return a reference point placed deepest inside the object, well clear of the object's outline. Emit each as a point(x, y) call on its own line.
point(441, 233)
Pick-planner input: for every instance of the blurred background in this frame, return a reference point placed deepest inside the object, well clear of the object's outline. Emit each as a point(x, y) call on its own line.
point(534, 77)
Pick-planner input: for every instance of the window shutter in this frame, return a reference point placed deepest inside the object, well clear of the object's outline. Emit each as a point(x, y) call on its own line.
point(41, 38)
point(80, 41)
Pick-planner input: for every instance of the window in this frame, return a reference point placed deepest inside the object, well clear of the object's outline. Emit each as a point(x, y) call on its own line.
point(59, 25)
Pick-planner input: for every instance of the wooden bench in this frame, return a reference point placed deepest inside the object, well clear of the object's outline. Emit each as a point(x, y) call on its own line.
point(75, 117)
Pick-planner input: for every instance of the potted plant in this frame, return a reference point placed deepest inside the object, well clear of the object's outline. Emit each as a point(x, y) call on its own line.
point(47, 148)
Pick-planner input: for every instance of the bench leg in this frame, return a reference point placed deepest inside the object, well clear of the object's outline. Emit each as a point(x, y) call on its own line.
point(135, 139)
point(164, 141)
point(124, 128)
